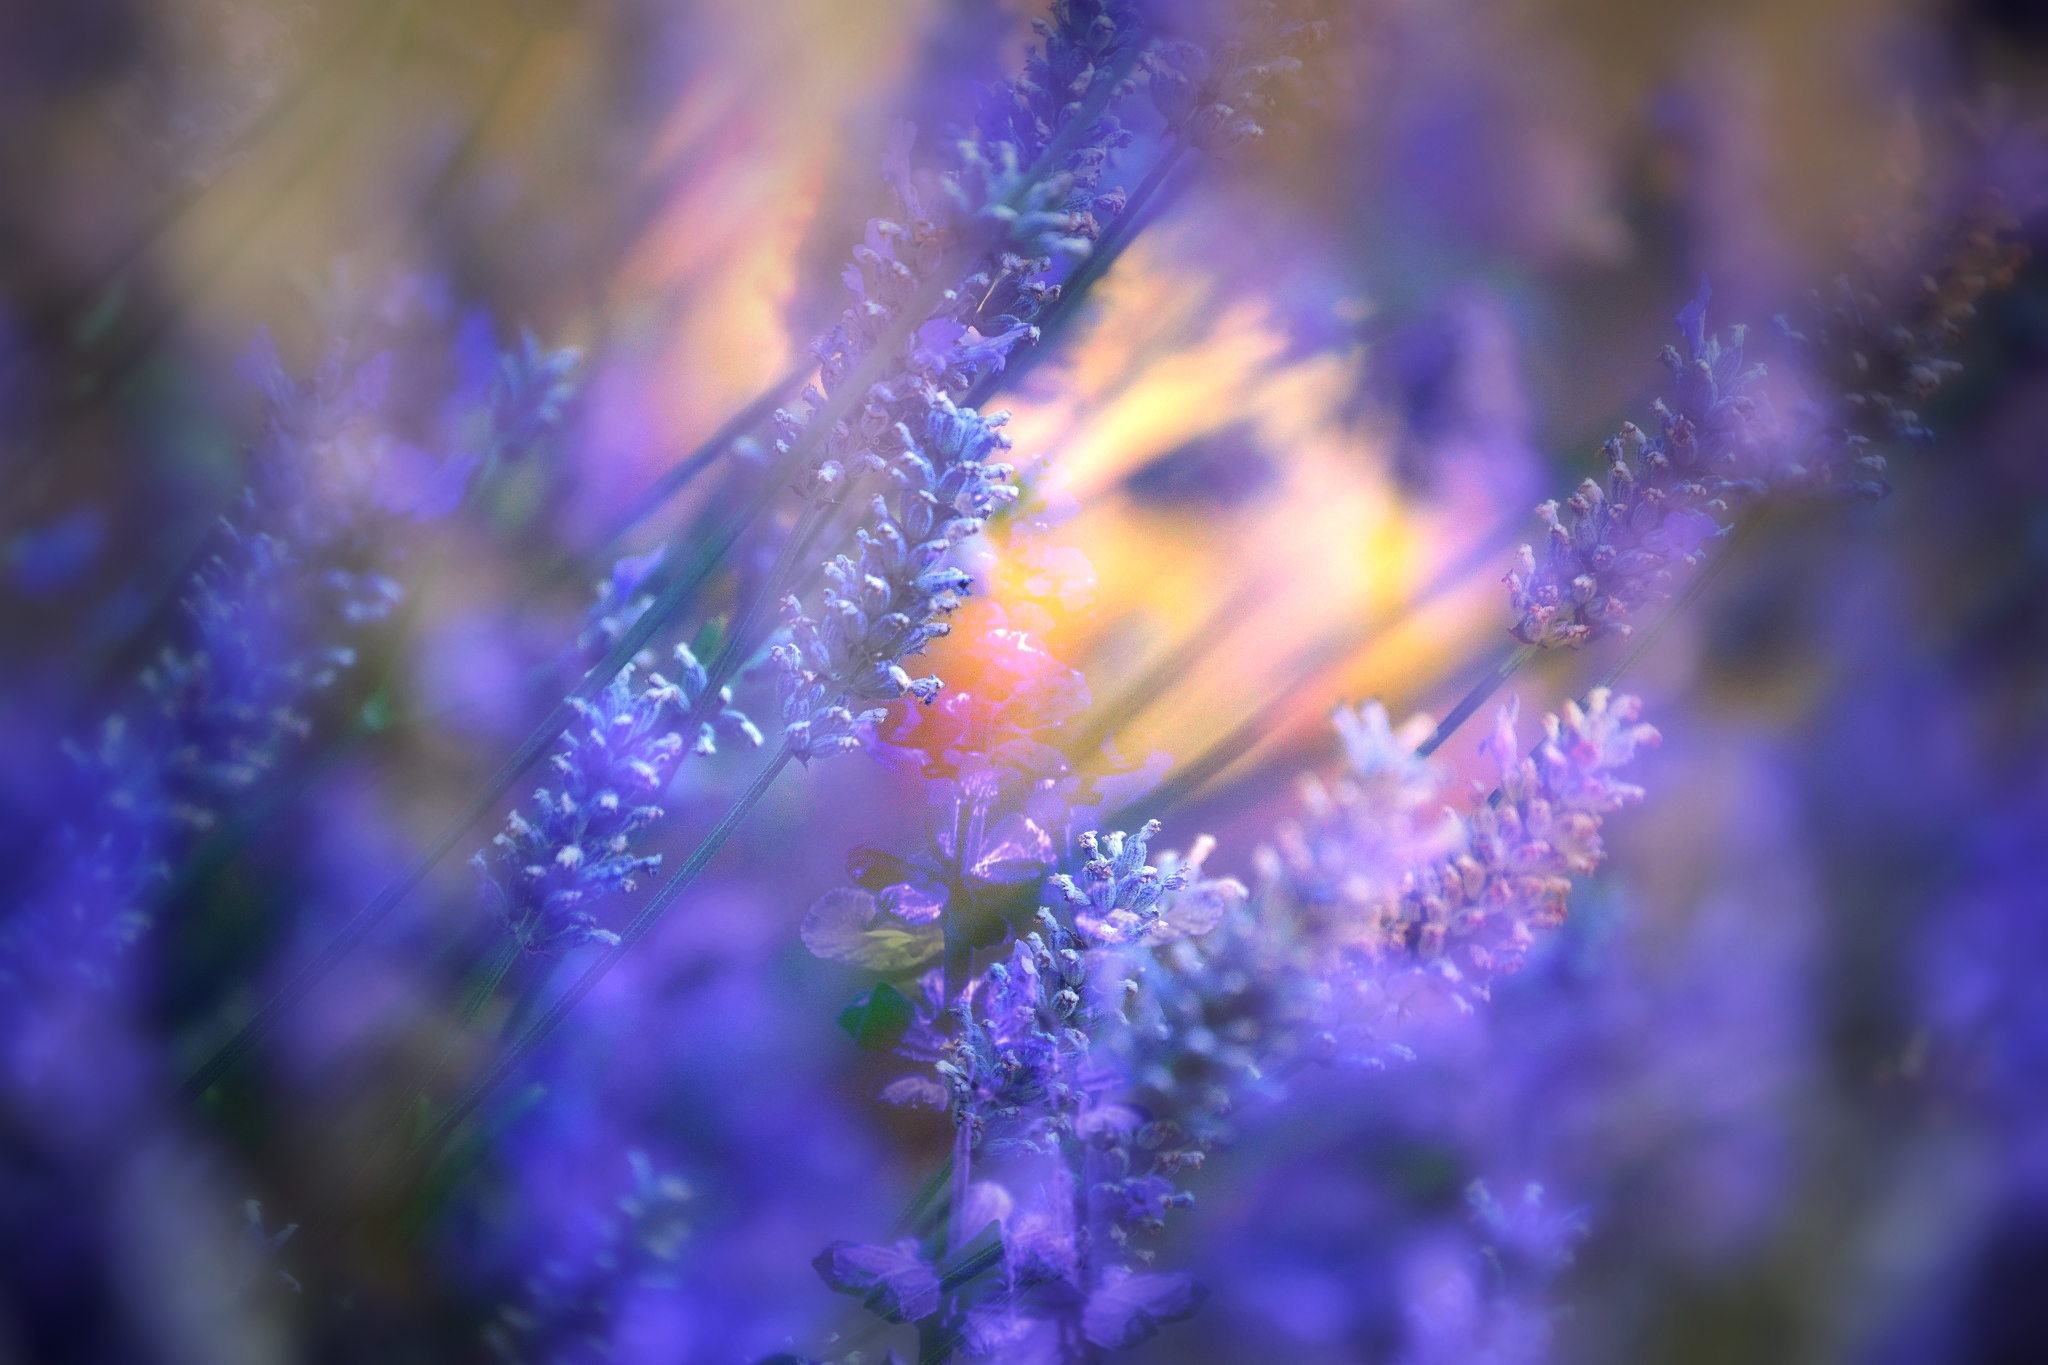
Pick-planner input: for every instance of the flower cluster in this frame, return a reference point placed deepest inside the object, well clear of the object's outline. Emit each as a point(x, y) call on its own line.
point(1873, 353)
point(621, 600)
point(1211, 96)
point(1044, 1261)
point(1085, 41)
point(1020, 198)
point(1382, 912)
point(268, 615)
point(546, 874)
point(1667, 500)
point(1867, 361)
point(572, 1299)
point(884, 607)
point(1091, 1063)
point(529, 398)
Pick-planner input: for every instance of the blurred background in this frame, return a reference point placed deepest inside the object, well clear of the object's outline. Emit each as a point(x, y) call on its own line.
point(1788, 1062)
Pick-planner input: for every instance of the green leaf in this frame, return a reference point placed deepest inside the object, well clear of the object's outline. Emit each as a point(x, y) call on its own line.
point(710, 636)
point(878, 1018)
point(847, 925)
point(378, 712)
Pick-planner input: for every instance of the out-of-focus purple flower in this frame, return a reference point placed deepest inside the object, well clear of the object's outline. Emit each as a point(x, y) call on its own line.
point(1212, 95)
point(1869, 351)
point(1411, 912)
point(1983, 951)
point(1454, 379)
point(580, 1296)
point(43, 560)
point(689, 1053)
point(1038, 1108)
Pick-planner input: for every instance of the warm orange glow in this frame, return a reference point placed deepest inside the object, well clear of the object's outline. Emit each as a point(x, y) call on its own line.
point(1330, 552)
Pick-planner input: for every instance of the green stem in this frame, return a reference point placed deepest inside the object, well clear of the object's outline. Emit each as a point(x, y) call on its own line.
point(1164, 674)
point(684, 471)
point(482, 987)
point(1510, 661)
point(1242, 738)
point(486, 985)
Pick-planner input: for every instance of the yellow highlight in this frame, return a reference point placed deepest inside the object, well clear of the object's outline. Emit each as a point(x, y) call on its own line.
point(1321, 563)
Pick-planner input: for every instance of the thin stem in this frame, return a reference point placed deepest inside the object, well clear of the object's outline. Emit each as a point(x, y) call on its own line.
point(963, 1155)
point(481, 988)
point(472, 138)
point(1510, 660)
point(739, 642)
point(684, 471)
point(487, 985)
point(1238, 741)
point(1241, 739)
point(941, 1182)
point(1164, 674)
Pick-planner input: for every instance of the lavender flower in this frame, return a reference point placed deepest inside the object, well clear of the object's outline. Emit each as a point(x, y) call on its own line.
point(886, 606)
point(1211, 97)
point(545, 875)
point(1666, 502)
point(1009, 217)
point(1483, 1299)
point(1018, 1061)
point(572, 1299)
point(1380, 912)
point(1082, 41)
point(1875, 350)
point(1721, 444)
point(530, 397)
point(620, 602)
point(1160, 981)
point(268, 615)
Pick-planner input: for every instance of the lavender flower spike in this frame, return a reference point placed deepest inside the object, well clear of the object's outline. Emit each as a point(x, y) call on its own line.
point(1380, 908)
point(546, 874)
point(1008, 217)
point(1720, 444)
point(1477, 910)
point(1666, 501)
point(883, 608)
point(1122, 899)
point(269, 616)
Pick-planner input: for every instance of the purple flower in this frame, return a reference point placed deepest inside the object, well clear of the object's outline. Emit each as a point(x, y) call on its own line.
point(546, 875)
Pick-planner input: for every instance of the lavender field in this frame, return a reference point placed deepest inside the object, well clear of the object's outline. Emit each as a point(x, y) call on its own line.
point(1024, 681)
